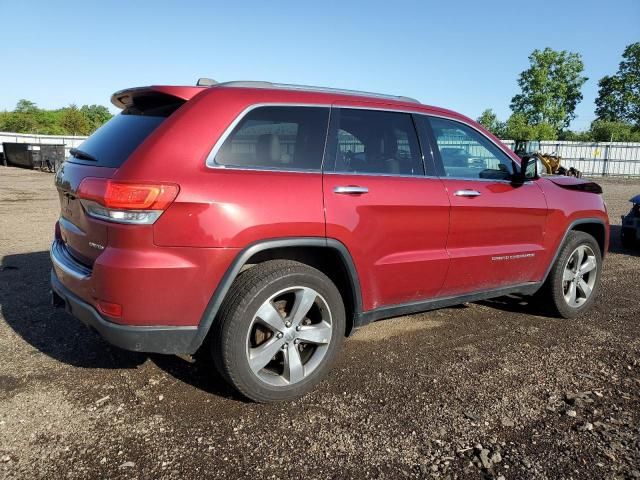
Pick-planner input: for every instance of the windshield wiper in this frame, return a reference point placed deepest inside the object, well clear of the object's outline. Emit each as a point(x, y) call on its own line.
point(82, 155)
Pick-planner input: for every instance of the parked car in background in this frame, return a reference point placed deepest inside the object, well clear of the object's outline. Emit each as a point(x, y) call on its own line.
point(265, 222)
point(630, 231)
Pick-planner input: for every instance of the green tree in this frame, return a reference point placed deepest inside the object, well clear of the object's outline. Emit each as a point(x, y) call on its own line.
point(97, 115)
point(74, 121)
point(489, 120)
point(619, 95)
point(550, 88)
point(3, 118)
point(23, 119)
point(26, 106)
point(574, 136)
point(28, 118)
point(517, 128)
point(606, 131)
point(544, 131)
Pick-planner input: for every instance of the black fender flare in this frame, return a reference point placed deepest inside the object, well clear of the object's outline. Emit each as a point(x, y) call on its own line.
point(246, 253)
point(572, 225)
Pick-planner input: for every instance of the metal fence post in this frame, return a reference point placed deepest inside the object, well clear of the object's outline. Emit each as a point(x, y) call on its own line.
point(605, 162)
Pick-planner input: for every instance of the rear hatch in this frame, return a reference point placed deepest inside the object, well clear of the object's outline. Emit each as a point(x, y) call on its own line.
point(100, 156)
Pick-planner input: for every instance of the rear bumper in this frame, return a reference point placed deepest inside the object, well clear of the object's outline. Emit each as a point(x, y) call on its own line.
point(169, 340)
point(155, 286)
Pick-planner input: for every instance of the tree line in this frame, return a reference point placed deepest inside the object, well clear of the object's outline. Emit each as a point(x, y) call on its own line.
point(550, 90)
point(71, 120)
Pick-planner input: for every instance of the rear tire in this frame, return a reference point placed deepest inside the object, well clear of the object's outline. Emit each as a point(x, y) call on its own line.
point(574, 280)
point(278, 331)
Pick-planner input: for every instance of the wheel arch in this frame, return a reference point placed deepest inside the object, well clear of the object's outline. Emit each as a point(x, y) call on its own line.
point(597, 230)
point(596, 227)
point(327, 255)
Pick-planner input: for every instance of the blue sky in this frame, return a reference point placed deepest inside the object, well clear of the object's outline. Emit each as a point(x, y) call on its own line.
point(460, 54)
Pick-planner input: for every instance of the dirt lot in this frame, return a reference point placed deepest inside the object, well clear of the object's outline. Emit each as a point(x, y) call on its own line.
point(480, 391)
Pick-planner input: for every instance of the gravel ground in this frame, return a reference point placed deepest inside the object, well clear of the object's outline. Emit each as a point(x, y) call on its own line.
point(485, 390)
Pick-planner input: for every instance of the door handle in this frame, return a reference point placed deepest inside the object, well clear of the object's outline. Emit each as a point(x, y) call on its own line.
point(467, 193)
point(351, 190)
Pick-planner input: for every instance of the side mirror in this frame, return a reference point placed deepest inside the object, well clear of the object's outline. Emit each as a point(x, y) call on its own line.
point(528, 170)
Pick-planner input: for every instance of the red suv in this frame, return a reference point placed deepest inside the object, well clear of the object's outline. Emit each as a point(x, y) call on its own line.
point(265, 222)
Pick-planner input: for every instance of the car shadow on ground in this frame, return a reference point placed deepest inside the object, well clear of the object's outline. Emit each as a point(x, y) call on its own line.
point(518, 304)
point(26, 307)
point(526, 304)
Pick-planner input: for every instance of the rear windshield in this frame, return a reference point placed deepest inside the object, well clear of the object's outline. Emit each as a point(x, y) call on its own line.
point(111, 144)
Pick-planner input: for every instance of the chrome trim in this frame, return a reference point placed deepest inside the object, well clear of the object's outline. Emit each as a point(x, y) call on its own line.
point(506, 150)
point(97, 211)
point(467, 193)
point(63, 260)
point(350, 190)
point(313, 89)
point(258, 169)
point(500, 145)
point(70, 226)
point(210, 161)
point(392, 175)
point(493, 180)
point(432, 177)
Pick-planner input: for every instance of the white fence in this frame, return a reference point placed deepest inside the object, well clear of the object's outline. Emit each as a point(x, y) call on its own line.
point(68, 141)
point(595, 158)
point(591, 158)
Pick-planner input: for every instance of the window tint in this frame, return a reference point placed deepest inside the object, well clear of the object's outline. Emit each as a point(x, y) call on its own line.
point(284, 138)
point(466, 153)
point(112, 143)
point(370, 141)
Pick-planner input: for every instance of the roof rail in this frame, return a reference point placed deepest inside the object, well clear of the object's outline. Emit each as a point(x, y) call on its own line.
point(308, 88)
point(206, 82)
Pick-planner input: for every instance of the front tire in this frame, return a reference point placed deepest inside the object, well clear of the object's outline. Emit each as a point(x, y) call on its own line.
point(278, 330)
point(574, 280)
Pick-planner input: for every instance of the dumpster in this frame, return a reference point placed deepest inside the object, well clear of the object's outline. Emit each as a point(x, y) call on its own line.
point(29, 155)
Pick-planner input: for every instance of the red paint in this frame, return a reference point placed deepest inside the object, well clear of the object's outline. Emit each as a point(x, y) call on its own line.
point(410, 238)
point(505, 220)
point(396, 233)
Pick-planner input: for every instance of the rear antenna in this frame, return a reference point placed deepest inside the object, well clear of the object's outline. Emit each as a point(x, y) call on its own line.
point(206, 82)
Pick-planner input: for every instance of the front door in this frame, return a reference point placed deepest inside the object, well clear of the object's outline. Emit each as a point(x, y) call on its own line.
point(380, 203)
point(497, 227)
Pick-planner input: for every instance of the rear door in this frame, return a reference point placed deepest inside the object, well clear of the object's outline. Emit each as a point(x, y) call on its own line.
point(497, 226)
point(379, 201)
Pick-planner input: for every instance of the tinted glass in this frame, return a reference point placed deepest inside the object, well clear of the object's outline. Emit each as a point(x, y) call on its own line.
point(112, 143)
point(282, 138)
point(371, 141)
point(466, 153)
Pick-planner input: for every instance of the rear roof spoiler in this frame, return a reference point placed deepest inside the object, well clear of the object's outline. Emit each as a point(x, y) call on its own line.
point(126, 98)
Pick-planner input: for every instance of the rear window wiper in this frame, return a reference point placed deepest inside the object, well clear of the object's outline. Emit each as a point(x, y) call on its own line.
point(82, 155)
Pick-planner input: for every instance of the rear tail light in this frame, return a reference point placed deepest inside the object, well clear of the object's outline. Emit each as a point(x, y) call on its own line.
point(120, 202)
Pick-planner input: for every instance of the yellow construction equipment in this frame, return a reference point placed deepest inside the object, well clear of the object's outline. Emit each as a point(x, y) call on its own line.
point(550, 162)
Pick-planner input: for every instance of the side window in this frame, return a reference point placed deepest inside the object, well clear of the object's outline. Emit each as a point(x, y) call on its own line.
point(281, 138)
point(372, 141)
point(466, 153)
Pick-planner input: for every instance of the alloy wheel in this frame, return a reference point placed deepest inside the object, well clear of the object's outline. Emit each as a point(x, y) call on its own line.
point(289, 336)
point(579, 276)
